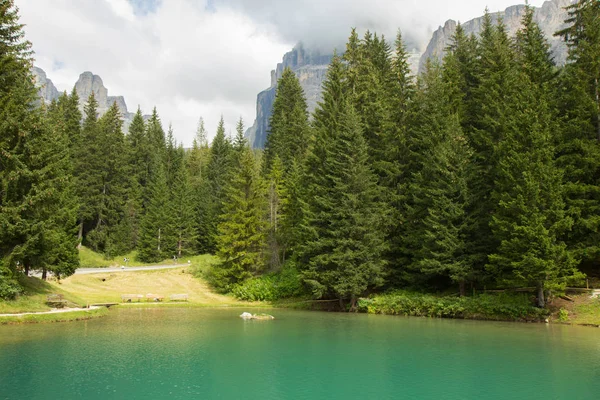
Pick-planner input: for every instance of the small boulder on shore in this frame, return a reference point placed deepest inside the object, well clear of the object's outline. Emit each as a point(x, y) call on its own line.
point(246, 315)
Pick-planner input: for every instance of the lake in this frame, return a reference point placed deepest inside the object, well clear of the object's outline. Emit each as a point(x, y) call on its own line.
point(194, 353)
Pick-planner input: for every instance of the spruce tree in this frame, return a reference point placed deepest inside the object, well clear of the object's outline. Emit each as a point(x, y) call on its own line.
point(87, 169)
point(579, 150)
point(196, 164)
point(183, 211)
point(154, 228)
point(530, 214)
point(491, 109)
point(343, 241)
point(36, 200)
point(218, 172)
point(288, 126)
point(241, 231)
point(438, 199)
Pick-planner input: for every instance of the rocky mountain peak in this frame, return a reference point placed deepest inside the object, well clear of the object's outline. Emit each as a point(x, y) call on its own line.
point(550, 16)
point(87, 84)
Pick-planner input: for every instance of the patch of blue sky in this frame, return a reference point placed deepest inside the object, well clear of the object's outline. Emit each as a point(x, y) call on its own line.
point(145, 7)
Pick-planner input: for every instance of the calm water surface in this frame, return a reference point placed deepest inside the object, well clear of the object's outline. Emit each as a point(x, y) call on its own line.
point(212, 354)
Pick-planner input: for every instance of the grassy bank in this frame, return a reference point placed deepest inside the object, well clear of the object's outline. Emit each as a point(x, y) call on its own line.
point(35, 296)
point(56, 317)
point(499, 307)
point(576, 310)
point(90, 259)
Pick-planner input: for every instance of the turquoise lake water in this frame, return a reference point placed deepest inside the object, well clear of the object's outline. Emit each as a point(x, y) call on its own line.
point(196, 353)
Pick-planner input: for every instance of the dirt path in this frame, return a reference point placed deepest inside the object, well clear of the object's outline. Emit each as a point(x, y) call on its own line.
point(53, 311)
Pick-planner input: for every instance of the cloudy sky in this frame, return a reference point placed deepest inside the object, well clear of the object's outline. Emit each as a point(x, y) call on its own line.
point(208, 58)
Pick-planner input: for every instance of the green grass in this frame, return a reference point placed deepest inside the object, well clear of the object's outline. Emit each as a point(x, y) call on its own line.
point(201, 264)
point(587, 313)
point(34, 297)
point(90, 259)
point(57, 317)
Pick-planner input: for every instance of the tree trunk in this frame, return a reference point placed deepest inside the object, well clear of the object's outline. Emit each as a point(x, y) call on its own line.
point(541, 302)
point(159, 239)
point(179, 248)
point(597, 108)
point(461, 288)
point(44, 273)
point(26, 269)
point(80, 234)
point(353, 304)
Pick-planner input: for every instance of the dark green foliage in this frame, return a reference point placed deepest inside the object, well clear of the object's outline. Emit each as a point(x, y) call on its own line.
point(438, 196)
point(37, 203)
point(183, 210)
point(579, 148)
point(530, 214)
point(218, 170)
point(241, 231)
point(269, 287)
point(491, 107)
point(343, 240)
point(156, 222)
point(503, 307)
point(288, 126)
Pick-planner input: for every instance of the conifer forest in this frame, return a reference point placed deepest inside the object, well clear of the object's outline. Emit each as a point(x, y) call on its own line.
point(482, 171)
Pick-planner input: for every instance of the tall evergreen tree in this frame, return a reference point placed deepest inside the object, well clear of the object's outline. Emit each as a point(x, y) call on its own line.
point(437, 221)
point(36, 200)
point(343, 242)
point(183, 210)
point(491, 107)
point(155, 224)
point(241, 231)
point(217, 175)
point(579, 151)
point(196, 164)
point(88, 168)
point(288, 126)
point(530, 216)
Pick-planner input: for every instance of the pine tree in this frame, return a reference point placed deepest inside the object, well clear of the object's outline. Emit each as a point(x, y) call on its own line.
point(218, 173)
point(277, 205)
point(491, 110)
point(156, 221)
point(579, 150)
point(288, 126)
point(183, 211)
point(530, 216)
point(137, 161)
point(36, 200)
point(437, 221)
point(342, 243)
point(87, 169)
point(239, 142)
point(241, 231)
point(114, 183)
point(196, 164)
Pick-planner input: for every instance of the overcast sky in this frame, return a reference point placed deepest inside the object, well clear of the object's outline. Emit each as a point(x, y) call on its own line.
point(195, 58)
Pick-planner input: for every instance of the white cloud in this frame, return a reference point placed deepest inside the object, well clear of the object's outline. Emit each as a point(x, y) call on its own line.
point(208, 57)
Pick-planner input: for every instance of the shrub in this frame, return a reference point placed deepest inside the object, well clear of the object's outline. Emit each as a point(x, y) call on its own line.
point(9, 288)
point(563, 315)
point(485, 306)
point(281, 285)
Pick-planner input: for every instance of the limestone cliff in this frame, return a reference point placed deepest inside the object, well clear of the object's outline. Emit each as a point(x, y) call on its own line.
point(85, 85)
point(550, 16)
point(310, 67)
point(46, 89)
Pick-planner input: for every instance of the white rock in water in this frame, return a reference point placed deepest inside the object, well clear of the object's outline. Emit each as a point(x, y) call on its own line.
point(246, 315)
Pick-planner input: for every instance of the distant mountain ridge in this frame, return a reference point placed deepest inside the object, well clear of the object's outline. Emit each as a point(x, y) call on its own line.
point(311, 67)
point(550, 16)
point(85, 85)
